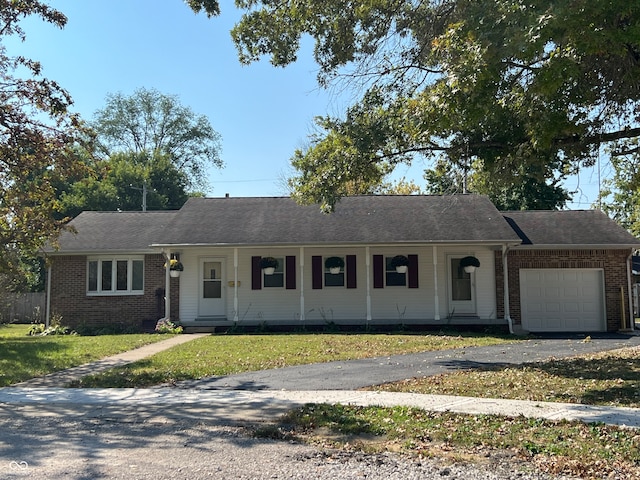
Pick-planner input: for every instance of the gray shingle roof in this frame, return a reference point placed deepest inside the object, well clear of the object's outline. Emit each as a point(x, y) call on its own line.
point(569, 227)
point(115, 231)
point(373, 219)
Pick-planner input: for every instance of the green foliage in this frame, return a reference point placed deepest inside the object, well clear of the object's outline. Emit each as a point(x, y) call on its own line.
point(334, 262)
point(23, 357)
point(524, 191)
point(150, 124)
point(167, 326)
point(620, 195)
point(39, 140)
point(531, 91)
point(54, 328)
point(117, 183)
point(268, 262)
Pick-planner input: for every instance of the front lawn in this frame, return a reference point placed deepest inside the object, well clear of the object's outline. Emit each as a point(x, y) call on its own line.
point(606, 378)
point(576, 449)
point(228, 354)
point(23, 357)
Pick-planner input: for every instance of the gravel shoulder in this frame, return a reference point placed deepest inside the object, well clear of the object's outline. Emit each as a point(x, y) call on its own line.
point(149, 443)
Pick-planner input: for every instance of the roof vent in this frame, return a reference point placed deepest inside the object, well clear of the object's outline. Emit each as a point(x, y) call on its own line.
point(226, 195)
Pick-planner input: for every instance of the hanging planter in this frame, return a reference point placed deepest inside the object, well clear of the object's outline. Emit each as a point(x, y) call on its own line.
point(175, 267)
point(334, 264)
point(469, 264)
point(400, 263)
point(268, 265)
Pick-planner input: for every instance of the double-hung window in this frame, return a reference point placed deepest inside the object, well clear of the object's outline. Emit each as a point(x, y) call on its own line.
point(276, 279)
point(110, 275)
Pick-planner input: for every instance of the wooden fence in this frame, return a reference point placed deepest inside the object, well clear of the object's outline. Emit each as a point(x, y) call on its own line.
point(23, 307)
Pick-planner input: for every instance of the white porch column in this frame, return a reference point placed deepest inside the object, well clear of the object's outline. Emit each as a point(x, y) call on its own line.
point(436, 298)
point(302, 317)
point(167, 284)
point(368, 263)
point(235, 284)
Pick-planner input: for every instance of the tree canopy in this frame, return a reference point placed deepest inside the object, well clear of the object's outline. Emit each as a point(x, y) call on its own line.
point(119, 183)
point(151, 124)
point(506, 82)
point(39, 140)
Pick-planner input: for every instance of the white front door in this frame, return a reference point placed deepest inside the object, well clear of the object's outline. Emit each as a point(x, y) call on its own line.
point(462, 289)
point(211, 288)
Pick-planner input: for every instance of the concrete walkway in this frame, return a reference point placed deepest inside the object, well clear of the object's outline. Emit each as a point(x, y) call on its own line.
point(242, 407)
point(237, 405)
point(64, 377)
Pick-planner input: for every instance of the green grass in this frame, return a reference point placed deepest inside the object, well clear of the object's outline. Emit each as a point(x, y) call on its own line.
point(228, 354)
point(606, 378)
point(23, 357)
point(567, 448)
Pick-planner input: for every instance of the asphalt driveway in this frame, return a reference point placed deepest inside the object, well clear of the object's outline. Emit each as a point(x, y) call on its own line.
point(355, 374)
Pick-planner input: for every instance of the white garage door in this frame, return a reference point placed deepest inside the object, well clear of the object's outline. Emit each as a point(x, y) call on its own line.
point(562, 300)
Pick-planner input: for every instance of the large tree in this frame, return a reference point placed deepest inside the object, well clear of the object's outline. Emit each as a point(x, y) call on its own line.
point(506, 82)
point(524, 192)
point(150, 123)
point(126, 182)
point(39, 138)
point(620, 194)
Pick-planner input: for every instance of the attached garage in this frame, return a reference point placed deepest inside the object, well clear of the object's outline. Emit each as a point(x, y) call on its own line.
point(562, 300)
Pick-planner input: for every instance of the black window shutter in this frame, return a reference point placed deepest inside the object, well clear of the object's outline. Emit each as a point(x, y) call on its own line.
point(290, 265)
point(412, 271)
point(256, 273)
point(351, 272)
point(316, 272)
point(378, 271)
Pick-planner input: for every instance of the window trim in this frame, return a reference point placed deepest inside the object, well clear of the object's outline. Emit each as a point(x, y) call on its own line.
point(388, 269)
point(114, 259)
point(280, 271)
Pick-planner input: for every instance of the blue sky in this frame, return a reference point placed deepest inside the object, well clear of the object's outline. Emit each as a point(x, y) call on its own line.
point(262, 113)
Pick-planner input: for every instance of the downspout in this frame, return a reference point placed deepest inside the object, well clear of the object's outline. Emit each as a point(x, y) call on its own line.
point(167, 285)
point(48, 307)
point(505, 276)
point(632, 320)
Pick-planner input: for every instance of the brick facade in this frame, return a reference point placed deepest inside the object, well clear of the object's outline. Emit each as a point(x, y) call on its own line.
point(69, 297)
point(612, 262)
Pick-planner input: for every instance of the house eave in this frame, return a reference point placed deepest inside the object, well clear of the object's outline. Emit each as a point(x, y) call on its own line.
point(338, 244)
point(135, 251)
point(574, 246)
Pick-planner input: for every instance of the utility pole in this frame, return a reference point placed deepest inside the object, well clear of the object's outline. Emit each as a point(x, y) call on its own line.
point(144, 194)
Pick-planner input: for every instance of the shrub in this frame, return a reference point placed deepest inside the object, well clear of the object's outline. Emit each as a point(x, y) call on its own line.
point(167, 326)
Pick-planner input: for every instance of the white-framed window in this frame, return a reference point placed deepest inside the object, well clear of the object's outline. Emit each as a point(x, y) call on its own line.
point(334, 277)
point(115, 275)
point(392, 277)
point(276, 279)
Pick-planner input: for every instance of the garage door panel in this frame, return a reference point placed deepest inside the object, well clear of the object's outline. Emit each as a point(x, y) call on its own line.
point(560, 300)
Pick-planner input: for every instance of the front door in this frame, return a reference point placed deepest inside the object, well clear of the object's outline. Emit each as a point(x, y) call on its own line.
point(462, 286)
point(212, 301)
